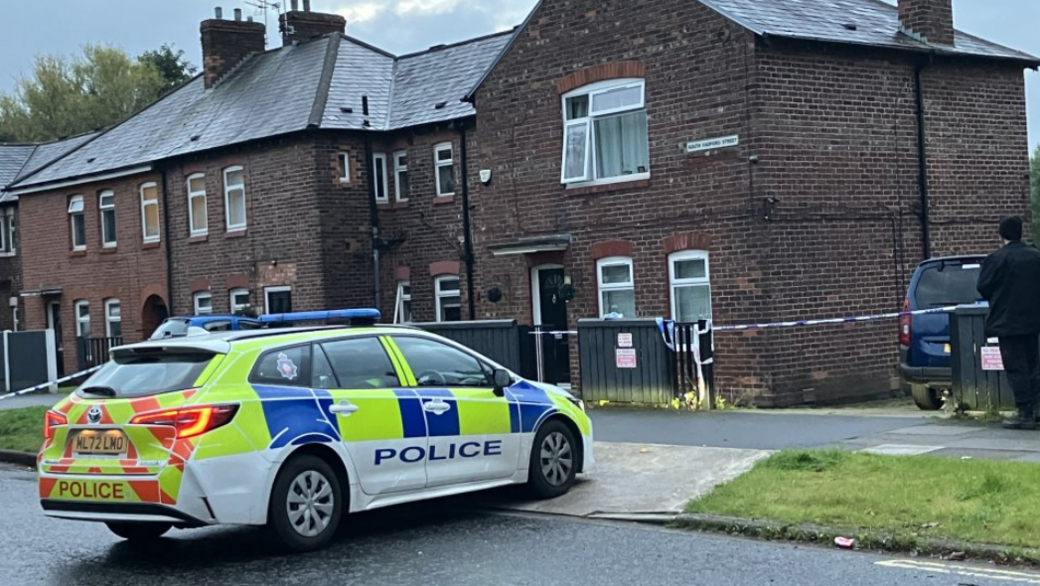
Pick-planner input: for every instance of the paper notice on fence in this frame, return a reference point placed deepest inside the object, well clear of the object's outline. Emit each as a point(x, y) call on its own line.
point(991, 359)
point(624, 340)
point(626, 357)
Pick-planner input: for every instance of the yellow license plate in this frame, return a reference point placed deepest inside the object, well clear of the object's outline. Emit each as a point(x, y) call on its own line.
point(946, 348)
point(111, 442)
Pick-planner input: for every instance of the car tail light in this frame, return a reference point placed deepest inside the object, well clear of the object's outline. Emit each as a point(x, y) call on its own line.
point(904, 325)
point(189, 421)
point(52, 419)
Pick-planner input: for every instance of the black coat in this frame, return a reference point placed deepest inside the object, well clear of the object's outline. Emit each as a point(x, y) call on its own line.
point(1010, 281)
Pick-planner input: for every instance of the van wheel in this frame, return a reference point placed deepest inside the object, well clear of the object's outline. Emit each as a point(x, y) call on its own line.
point(306, 504)
point(927, 398)
point(554, 461)
point(139, 531)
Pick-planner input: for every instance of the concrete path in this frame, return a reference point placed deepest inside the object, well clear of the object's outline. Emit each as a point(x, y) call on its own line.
point(34, 400)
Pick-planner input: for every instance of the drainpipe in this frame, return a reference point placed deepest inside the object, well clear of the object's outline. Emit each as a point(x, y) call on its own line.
point(467, 229)
point(922, 160)
point(167, 241)
point(373, 210)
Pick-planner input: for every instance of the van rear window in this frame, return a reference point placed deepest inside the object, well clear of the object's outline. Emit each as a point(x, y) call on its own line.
point(948, 285)
point(141, 376)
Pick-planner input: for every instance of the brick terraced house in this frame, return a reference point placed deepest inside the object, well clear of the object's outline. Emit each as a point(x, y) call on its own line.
point(728, 159)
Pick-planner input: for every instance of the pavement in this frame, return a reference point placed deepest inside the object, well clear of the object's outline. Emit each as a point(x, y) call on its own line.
point(447, 542)
point(33, 400)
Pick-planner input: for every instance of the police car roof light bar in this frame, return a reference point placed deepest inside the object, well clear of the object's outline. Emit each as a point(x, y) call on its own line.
point(356, 317)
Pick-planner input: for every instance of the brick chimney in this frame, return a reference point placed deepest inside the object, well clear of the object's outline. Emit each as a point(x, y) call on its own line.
point(931, 19)
point(226, 43)
point(303, 25)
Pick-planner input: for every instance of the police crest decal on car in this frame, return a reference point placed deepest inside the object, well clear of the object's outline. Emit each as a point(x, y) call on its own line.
point(287, 367)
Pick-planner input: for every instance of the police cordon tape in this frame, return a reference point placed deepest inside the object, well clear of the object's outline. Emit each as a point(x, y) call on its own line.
point(790, 324)
point(40, 387)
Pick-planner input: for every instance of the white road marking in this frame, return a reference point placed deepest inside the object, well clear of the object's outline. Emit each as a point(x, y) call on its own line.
point(959, 570)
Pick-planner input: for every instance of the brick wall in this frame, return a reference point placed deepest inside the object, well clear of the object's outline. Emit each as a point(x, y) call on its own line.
point(132, 272)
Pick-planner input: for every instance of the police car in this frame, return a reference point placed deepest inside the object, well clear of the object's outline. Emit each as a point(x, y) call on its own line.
point(293, 428)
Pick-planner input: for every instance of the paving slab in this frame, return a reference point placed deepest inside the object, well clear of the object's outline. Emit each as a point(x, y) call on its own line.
point(982, 454)
point(900, 450)
point(937, 430)
point(641, 479)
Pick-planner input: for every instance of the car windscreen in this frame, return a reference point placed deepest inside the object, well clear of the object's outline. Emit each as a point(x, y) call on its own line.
point(171, 328)
point(948, 284)
point(142, 375)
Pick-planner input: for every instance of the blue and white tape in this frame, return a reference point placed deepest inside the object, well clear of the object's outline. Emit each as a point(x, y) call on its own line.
point(45, 385)
point(832, 321)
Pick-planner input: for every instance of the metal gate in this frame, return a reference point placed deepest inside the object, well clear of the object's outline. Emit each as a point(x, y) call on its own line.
point(693, 374)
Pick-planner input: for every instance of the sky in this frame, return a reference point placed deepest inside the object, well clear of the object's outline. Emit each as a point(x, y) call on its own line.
point(398, 26)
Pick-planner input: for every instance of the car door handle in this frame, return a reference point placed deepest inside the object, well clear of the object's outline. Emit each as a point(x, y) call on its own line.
point(346, 409)
point(437, 407)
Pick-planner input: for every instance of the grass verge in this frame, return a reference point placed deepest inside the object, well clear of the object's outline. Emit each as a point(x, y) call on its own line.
point(909, 499)
point(22, 429)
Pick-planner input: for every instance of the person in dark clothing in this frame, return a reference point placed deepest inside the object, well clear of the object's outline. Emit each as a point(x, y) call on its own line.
point(1010, 282)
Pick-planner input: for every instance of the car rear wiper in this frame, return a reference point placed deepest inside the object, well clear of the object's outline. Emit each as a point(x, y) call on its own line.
point(100, 391)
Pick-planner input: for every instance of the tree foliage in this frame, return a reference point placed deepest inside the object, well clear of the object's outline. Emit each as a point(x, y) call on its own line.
point(65, 97)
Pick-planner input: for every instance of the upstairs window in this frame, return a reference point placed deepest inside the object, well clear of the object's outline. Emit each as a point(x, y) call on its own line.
point(107, 205)
point(444, 161)
point(8, 235)
point(617, 292)
point(605, 133)
point(691, 286)
point(198, 216)
point(379, 160)
point(150, 212)
point(344, 167)
point(235, 198)
point(79, 232)
point(401, 175)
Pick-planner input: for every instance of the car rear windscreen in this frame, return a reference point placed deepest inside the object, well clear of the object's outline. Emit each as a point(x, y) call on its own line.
point(139, 376)
point(948, 285)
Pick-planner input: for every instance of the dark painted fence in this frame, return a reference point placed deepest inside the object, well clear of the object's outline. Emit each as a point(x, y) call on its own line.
point(27, 359)
point(624, 361)
point(974, 387)
point(91, 352)
point(503, 341)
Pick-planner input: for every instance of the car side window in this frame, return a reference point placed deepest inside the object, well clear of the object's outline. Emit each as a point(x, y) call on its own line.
point(287, 367)
point(218, 326)
point(439, 365)
point(249, 325)
point(321, 370)
point(361, 363)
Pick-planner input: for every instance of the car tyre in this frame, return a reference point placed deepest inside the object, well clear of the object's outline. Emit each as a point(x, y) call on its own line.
point(306, 504)
point(554, 461)
point(139, 531)
point(927, 398)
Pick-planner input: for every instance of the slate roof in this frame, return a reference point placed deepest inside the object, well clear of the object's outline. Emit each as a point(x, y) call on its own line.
point(18, 161)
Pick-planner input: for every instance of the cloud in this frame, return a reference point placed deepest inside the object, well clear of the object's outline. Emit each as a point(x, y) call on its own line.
point(361, 12)
point(421, 7)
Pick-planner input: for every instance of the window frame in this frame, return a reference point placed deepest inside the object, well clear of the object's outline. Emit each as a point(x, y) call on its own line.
point(144, 215)
point(439, 295)
point(239, 291)
point(15, 321)
point(438, 164)
point(102, 210)
point(192, 196)
point(614, 261)
point(399, 170)
point(198, 296)
point(278, 289)
point(227, 199)
point(340, 385)
point(303, 370)
point(83, 222)
point(344, 167)
point(7, 232)
point(381, 174)
point(80, 319)
point(588, 122)
point(674, 283)
point(109, 303)
point(401, 299)
point(482, 362)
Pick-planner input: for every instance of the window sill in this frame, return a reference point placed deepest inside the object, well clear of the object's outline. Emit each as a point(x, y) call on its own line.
point(199, 238)
point(149, 245)
point(593, 188)
point(236, 234)
point(77, 253)
point(8, 254)
point(343, 183)
point(109, 250)
point(443, 200)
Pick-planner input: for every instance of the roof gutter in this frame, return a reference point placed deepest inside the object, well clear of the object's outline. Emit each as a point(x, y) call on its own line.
point(80, 180)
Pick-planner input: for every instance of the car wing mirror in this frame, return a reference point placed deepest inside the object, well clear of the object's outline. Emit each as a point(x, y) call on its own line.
point(502, 380)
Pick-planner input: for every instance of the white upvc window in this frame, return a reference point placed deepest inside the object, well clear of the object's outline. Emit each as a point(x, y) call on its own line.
point(449, 298)
point(444, 162)
point(617, 292)
point(107, 207)
point(689, 277)
point(235, 198)
point(379, 162)
point(403, 308)
point(605, 133)
point(150, 212)
point(239, 299)
point(401, 175)
point(79, 228)
point(344, 167)
point(8, 240)
point(113, 319)
point(198, 215)
point(82, 319)
point(203, 303)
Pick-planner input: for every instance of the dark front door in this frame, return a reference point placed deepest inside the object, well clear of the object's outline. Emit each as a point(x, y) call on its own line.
point(54, 323)
point(555, 348)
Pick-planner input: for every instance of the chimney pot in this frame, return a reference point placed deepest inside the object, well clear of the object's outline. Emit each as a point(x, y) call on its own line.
point(226, 43)
point(238, 14)
point(219, 12)
point(299, 27)
point(306, 5)
point(295, 5)
point(249, 19)
point(932, 20)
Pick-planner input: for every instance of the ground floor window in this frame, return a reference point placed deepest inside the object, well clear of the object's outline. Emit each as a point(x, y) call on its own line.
point(203, 303)
point(449, 299)
point(239, 300)
point(82, 319)
point(691, 286)
point(113, 319)
point(617, 293)
point(403, 309)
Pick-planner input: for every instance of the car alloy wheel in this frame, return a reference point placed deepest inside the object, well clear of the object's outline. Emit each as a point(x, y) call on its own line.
point(310, 503)
point(557, 459)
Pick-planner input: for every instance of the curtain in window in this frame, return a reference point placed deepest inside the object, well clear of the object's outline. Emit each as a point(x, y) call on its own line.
point(622, 147)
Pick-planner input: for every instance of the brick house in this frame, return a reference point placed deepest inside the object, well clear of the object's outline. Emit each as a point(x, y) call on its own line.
point(731, 159)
